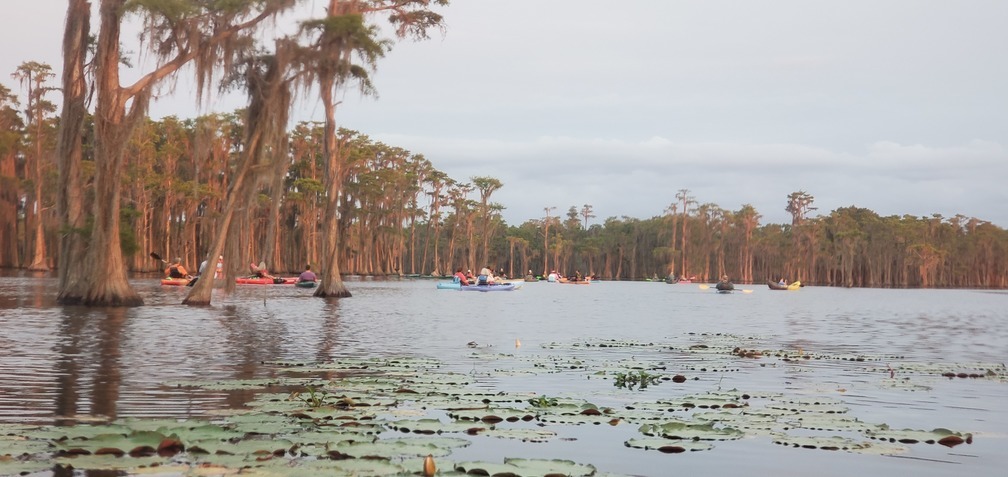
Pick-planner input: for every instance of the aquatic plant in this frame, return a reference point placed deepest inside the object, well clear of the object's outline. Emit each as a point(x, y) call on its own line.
point(311, 396)
point(542, 401)
point(383, 416)
point(640, 378)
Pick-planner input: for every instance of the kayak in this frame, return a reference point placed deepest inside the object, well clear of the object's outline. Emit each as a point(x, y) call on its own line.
point(458, 286)
point(488, 288)
point(725, 287)
point(176, 282)
point(776, 286)
point(305, 284)
point(265, 281)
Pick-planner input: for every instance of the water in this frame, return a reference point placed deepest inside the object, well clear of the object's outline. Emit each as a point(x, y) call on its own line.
point(70, 364)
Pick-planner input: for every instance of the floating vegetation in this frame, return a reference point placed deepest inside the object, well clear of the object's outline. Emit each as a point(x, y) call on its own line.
point(396, 415)
point(991, 371)
point(640, 379)
point(668, 446)
point(543, 401)
point(526, 467)
point(944, 437)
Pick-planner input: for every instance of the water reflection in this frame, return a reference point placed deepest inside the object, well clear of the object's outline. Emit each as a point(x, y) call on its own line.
point(89, 353)
point(65, 364)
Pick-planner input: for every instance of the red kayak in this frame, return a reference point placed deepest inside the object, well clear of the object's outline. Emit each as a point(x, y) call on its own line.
point(266, 281)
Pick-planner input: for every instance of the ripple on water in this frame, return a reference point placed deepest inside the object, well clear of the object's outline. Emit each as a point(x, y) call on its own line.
point(64, 362)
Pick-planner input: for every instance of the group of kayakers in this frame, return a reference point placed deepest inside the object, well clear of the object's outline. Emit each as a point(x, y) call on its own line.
point(178, 271)
point(576, 277)
point(485, 277)
point(260, 271)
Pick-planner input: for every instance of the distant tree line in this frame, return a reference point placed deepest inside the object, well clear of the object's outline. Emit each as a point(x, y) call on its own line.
point(398, 214)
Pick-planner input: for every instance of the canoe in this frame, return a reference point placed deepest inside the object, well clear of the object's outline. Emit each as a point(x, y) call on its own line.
point(305, 284)
point(175, 282)
point(575, 282)
point(265, 281)
point(776, 286)
point(488, 288)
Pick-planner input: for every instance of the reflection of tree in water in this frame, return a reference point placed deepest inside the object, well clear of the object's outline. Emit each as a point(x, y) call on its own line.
point(68, 369)
point(88, 336)
point(108, 376)
point(330, 331)
point(90, 361)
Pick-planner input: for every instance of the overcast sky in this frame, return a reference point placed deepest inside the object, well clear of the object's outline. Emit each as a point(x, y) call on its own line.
point(899, 106)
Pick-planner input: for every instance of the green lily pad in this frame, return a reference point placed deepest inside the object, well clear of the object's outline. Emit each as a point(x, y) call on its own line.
point(668, 446)
point(830, 422)
point(249, 448)
point(679, 430)
point(912, 436)
point(401, 447)
point(111, 462)
point(526, 467)
point(493, 415)
point(236, 385)
point(524, 435)
point(435, 426)
point(837, 443)
point(750, 423)
point(10, 464)
point(16, 445)
point(820, 405)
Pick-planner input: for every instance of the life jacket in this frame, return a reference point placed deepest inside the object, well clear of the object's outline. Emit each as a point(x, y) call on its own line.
point(173, 272)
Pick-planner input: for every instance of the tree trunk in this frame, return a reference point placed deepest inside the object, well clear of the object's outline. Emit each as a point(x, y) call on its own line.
point(8, 212)
point(38, 262)
point(202, 291)
point(69, 149)
point(104, 280)
point(332, 281)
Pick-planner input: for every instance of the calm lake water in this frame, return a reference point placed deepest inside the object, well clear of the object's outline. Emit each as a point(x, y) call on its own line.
point(60, 365)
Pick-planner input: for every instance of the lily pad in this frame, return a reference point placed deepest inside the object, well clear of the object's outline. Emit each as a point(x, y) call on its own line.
point(690, 431)
point(912, 436)
point(526, 467)
point(837, 443)
point(668, 446)
point(12, 465)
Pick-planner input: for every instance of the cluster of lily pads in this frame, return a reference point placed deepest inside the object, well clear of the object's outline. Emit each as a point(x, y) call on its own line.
point(388, 415)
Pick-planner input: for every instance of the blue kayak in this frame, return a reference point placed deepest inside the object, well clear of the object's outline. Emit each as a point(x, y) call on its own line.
point(488, 288)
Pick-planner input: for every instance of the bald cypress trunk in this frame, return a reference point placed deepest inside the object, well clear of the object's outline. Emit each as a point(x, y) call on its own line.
point(269, 103)
point(332, 280)
point(69, 152)
point(103, 282)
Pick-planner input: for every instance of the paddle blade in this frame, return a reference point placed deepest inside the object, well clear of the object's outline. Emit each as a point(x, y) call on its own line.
point(746, 291)
point(704, 287)
point(155, 256)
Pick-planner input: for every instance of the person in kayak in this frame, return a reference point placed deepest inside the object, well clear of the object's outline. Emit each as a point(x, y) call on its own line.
point(176, 270)
point(307, 275)
point(461, 277)
point(259, 271)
